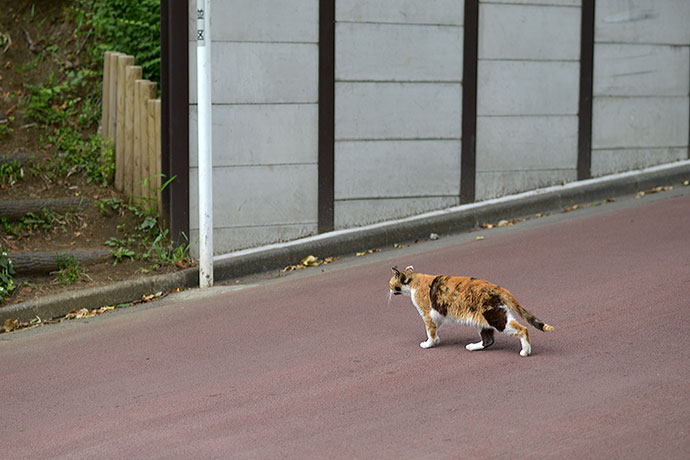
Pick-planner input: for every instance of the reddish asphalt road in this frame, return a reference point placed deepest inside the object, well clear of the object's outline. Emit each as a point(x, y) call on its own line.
point(320, 365)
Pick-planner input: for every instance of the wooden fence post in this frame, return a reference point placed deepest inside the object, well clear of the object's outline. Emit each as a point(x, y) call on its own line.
point(148, 91)
point(122, 62)
point(131, 118)
point(105, 110)
point(112, 98)
point(133, 73)
point(138, 128)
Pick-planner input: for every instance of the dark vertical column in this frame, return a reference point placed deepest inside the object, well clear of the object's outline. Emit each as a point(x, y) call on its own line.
point(326, 115)
point(584, 141)
point(175, 116)
point(468, 160)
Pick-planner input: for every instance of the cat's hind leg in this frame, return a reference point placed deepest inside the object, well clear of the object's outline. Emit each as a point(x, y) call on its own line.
point(487, 335)
point(518, 330)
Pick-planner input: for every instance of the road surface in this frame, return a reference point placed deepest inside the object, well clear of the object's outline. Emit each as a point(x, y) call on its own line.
point(322, 365)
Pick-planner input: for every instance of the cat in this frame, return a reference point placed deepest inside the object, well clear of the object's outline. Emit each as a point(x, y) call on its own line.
point(440, 299)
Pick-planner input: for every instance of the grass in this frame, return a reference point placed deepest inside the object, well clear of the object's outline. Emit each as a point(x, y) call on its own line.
point(69, 270)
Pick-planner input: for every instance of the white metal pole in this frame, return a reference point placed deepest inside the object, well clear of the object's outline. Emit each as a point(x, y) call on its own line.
point(203, 63)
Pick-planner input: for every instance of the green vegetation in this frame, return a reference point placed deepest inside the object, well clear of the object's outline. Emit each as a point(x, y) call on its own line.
point(6, 127)
point(66, 106)
point(7, 283)
point(10, 173)
point(69, 269)
point(131, 27)
point(145, 239)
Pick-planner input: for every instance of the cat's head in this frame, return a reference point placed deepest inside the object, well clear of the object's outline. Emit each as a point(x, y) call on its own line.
point(399, 282)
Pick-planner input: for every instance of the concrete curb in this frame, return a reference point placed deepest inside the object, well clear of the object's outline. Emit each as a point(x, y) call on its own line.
point(341, 242)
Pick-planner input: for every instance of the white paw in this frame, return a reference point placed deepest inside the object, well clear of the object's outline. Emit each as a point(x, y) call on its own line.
point(525, 352)
point(429, 343)
point(475, 346)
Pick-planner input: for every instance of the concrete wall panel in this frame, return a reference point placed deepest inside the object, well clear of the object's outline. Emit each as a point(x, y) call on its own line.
point(394, 52)
point(640, 122)
point(267, 134)
point(493, 184)
point(527, 88)
point(537, 2)
point(397, 169)
point(642, 21)
point(363, 212)
point(398, 111)
point(641, 70)
point(229, 239)
point(618, 160)
point(446, 12)
point(260, 196)
point(261, 21)
point(520, 32)
point(260, 73)
point(525, 143)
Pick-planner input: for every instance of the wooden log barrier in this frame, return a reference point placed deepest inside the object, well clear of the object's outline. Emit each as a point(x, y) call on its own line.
point(48, 261)
point(15, 209)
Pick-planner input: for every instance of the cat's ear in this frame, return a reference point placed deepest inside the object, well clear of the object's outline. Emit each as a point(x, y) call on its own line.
point(409, 268)
point(395, 270)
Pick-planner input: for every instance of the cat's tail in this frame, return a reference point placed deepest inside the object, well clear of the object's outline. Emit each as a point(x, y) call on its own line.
point(515, 306)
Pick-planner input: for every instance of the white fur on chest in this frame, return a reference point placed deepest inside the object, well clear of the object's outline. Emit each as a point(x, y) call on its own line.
point(412, 293)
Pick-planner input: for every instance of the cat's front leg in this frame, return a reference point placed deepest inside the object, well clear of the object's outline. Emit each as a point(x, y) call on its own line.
point(432, 336)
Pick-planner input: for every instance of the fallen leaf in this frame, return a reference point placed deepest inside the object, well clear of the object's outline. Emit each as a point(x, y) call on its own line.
point(311, 261)
point(686, 182)
point(434, 236)
point(503, 223)
point(290, 268)
point(10, 325)
point(368, 251)
point(479, 238)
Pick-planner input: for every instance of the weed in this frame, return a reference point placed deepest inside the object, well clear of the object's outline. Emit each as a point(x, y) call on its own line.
point(108, 206)
point(69, 269)
point(7, 283)
point(6, 127)
point(121, 252)
point(10, 173)
point(41, 221)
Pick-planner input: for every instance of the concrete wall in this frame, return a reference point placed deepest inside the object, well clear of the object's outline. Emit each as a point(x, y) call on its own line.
point(265, 120)
point(641, 84)
point(398, 101)
point(527, 95)
point(398, 105)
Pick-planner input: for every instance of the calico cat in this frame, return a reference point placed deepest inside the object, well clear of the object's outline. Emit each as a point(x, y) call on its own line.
point(470, 301)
